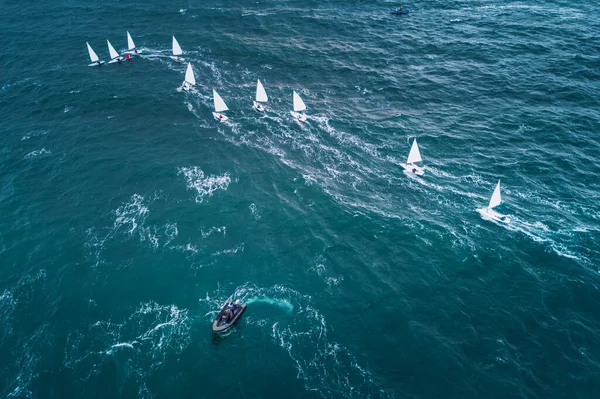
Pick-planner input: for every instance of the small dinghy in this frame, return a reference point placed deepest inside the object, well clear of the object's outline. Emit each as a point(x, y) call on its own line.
point(131, 49)
point(177, 52)
point(190, 80)
point(261, 96)
point(414, 156)
point(229, 314)
point(93, 56)
point(489, 212)
point(299, 106)
point(220, 106)
point(114, 56)
point(399, 11)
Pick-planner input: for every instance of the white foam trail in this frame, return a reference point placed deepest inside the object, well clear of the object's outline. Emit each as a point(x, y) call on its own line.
point(324, 365)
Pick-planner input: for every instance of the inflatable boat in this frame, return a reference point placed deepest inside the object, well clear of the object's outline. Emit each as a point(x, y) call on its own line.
point(227, 316)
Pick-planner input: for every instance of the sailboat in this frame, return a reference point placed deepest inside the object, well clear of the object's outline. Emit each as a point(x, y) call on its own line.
point(131, 46)
point(298, 107)
point(414, 156)
point(114, 56)
point(494, 202)
point(93, 56)
point(177, 51)
point(190, 80)
point(220, 106)
point(261, 96)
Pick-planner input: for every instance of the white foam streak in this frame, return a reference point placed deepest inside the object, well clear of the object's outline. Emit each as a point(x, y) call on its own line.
point(205, 186)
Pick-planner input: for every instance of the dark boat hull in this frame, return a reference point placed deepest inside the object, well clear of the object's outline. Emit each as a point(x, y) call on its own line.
point(221, 325)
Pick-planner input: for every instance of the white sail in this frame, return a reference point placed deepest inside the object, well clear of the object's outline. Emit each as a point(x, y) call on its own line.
point(130, 43)
point(219, 103)
point(93, 55)
point(176, 48)
point(414, 155)
point(298, 103)
point(496, 198)
point(261, 94)
point(111, 50)
point(189, 75)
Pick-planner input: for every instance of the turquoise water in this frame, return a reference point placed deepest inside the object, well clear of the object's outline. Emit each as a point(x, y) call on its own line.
point(128, 215)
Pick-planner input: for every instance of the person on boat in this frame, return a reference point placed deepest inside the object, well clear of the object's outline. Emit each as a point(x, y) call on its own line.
point(414, 170)
point(231, 308)
point(220, 116)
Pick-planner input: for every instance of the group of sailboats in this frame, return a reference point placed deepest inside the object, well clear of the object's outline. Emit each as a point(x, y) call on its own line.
point(410, 167)
point(114, 55)
point(260, 99)
point(299, 106)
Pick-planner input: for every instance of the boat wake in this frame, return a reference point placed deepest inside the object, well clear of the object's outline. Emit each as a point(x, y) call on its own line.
point(322, 363)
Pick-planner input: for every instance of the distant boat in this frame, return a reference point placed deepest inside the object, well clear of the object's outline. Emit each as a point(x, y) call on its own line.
point(495, 200)
point(299, 106)
point(114, 56)
point(261, 96)
point(399, 11)
point(190, 80)
point(93, 56)
point(414, 156)
point(177, 51)
point(131, 46)
point(220, 106)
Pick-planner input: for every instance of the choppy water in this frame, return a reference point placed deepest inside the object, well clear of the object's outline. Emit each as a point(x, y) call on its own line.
point(128, 215)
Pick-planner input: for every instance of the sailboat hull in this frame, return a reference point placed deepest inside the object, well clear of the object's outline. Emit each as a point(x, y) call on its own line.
point(178, 59)
point(97, 63)
point(414, 169)
point(258, 106)
point(219, 117)
point(118, 59)
point(491, 214)
point(298, 116)
point(187, 86)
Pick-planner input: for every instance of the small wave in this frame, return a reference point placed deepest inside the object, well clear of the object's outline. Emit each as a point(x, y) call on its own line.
point(34, 134)
point(152, 334)
point(131, 213)
point(37, 153)
point(231, 251)
point(255, 211)
point(205, 186)
point(212, 230)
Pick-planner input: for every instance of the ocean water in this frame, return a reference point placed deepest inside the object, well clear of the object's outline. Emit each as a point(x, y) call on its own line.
point(128, 215)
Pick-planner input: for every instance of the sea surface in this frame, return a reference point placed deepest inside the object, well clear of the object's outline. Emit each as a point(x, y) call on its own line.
point(128, 215)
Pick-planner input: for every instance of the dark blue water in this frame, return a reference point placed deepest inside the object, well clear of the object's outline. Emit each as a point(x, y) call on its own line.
point(128, 215)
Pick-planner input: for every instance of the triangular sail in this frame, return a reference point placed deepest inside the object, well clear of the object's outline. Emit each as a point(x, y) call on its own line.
point(189, 75)
point(298, 103)
point(130, 43)
point(176, 48)
point(496, 198)
point(415, 154)
point(111, 50)
point(93, 55)
point(219, 103)
point(261, 94)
